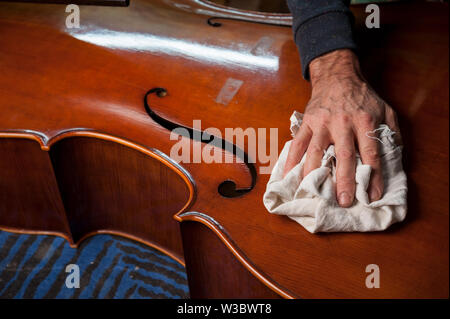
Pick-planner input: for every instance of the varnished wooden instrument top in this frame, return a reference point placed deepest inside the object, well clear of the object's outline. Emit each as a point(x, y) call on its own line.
point(55, 79)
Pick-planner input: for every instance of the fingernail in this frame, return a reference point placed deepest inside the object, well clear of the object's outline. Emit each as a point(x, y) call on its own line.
point(344, 199)
point(374, 194)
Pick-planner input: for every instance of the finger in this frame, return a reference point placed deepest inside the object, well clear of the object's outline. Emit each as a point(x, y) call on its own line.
point(392, 121)
point(297, 148)
point(369, 151)
point(345, 167)
point(314, 154)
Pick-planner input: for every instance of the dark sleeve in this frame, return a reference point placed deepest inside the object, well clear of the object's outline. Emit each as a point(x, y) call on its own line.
point(320, 26)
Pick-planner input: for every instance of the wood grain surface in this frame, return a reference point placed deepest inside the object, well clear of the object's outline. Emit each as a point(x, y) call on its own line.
point(57, 81)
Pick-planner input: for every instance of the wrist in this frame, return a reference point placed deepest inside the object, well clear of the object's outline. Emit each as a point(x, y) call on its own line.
point(339, 66)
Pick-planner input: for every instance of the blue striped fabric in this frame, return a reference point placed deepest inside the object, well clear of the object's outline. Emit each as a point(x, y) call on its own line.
point(110, 267)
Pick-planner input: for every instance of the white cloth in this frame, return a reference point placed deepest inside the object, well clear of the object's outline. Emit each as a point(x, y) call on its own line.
point(312, 201)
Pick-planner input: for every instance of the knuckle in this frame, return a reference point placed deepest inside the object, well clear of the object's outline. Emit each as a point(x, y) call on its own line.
point(318, 119)
point(306, 118)
point(370, 153)
point(364, 86)
point(344, 154)
point(299, 141)
point(389, 110)
point(322, 122)
point(344, 119)
point(391, 115)
point(298, 137)
point(366, 120)
point(315, 148)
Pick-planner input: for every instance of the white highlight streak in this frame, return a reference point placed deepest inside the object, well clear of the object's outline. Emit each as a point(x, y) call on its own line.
point(156, 44)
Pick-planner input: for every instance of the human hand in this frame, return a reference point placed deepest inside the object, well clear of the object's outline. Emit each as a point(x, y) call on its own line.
point(342, 108)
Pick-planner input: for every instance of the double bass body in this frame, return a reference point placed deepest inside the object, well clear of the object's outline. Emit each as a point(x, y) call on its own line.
point(81, 153)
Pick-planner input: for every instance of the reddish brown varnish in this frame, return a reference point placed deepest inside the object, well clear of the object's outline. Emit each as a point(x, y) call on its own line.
point(79, 155)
